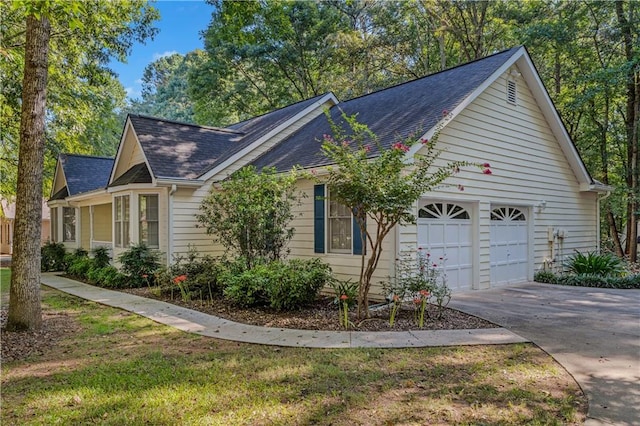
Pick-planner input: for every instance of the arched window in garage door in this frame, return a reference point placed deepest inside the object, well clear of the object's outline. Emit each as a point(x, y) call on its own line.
point(509, 251)
point(445, 231)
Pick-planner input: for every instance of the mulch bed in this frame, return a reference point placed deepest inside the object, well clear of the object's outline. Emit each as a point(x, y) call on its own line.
point(324, 315)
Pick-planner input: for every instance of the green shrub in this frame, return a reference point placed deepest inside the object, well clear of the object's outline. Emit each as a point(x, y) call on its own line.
point(101, 257)
point(52, 257)
point(80, 266)
point(599, 281)
point(296, 283)
point(281, 285)
point(93, 275)
point(545, 277)
point(247, 288)
point(110, 277)
point(602, 264)
point(139, 264)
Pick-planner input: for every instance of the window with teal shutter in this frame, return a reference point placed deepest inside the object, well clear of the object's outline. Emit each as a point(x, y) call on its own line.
point(318, 218)
point(358, 245)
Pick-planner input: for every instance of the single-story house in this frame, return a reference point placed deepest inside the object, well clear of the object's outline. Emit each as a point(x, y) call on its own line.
point(7, 219)
point(539, 205)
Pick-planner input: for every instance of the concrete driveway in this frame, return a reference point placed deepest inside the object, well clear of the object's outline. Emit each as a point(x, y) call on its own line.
point(593, 333)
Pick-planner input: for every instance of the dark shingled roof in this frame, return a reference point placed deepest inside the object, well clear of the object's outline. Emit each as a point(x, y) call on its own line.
point(181, 150)
point(392, 113)
point(84, 173)
point(60, 195)
point(256, 127)
point(136, 174)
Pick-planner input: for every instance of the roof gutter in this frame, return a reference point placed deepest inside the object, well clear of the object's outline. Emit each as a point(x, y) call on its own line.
point(183, 183)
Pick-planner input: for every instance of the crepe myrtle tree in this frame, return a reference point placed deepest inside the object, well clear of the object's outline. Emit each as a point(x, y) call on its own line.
point(250, 211)
point(381, 184)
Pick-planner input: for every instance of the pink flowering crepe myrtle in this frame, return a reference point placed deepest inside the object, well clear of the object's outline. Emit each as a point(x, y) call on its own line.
point(401, 146)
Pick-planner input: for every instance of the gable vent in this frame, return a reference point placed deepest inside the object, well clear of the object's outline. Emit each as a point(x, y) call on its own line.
point(511, 92)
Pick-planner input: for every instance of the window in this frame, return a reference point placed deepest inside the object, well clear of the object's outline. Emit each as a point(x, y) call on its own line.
point(68, 224)
point(512, 92)
point(149, 220)
point(122, 221)
point(340, 227)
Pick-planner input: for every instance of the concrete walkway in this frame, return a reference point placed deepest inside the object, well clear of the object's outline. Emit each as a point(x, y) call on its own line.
point(211, 326)
point(593, 333)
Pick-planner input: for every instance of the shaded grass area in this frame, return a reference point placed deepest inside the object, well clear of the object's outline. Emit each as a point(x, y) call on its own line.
point(124, 369)
point(5, 280)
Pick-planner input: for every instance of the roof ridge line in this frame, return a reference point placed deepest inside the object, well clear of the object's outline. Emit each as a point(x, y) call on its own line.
point(87, 156)
point(182, 123)
point(435, 73)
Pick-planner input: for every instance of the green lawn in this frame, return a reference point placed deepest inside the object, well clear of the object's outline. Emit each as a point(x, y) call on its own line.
point(116, 368)
point(5, 278)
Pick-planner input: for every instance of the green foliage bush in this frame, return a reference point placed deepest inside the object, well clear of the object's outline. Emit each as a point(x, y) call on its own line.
point(250, 216)
point(139, 264)
point(101, 257)
point(80, 266)
point(52, 257)
point(592, 263)
point(547, 277)
point(281, 285)
point(599, 281)
point(110, 277)
point(296, 283)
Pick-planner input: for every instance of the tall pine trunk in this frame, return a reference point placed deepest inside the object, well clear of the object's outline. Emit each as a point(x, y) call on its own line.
point(631, 124)
point(24, 298)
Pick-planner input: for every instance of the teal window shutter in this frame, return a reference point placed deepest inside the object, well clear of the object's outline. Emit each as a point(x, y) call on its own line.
point(358, 245)
point(318, 218)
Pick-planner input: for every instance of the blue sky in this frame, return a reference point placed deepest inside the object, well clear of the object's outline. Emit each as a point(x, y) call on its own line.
point(180, 24)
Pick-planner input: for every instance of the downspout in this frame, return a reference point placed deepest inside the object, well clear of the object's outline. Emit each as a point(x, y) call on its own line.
point(172, 191)
point(598, 201)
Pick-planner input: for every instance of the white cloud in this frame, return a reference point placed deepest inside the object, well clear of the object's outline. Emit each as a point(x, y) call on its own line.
point(138, 81)
point(132, 92)
point(157, 56)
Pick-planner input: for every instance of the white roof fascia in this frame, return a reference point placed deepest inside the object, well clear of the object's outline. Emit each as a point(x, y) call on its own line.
point(127, 125)
point(87, 195)
point(596, 187)
point(238, 155)
point(60, 170)
point(190, 183)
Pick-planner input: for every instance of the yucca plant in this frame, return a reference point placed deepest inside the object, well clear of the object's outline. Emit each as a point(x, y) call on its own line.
point(601, 264)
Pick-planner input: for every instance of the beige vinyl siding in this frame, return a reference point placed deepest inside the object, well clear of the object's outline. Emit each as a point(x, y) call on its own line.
point(186, 204)
point(85, 228)
point(102, 222)
point(528, 166)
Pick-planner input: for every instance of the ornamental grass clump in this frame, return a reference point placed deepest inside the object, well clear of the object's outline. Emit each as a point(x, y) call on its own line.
point(346, 296)
point(592, 263)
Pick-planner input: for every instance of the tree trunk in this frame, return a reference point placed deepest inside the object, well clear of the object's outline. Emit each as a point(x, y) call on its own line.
point(631, 124)
point(24, 298)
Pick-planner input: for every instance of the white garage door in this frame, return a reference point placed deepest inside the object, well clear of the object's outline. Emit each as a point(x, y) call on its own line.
point(509, 245)
point(445, 231)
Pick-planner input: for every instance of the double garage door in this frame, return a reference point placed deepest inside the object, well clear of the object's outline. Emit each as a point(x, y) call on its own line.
point(445, 230)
